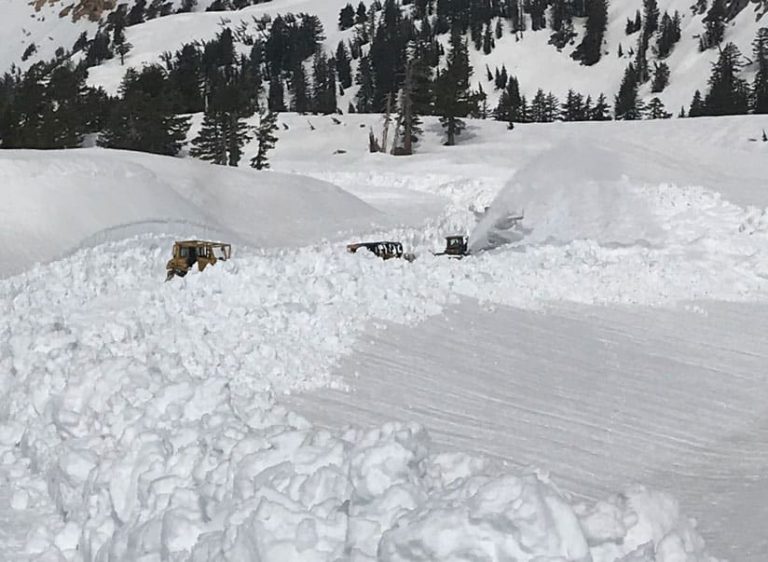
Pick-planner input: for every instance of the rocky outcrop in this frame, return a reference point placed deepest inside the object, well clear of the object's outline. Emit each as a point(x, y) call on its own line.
point(91, 9)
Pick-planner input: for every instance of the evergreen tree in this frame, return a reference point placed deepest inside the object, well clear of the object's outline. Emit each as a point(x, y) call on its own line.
point(121, 45)
point(346, 17)
point(343, 66)
point(510, 104)
point(276, 101)
point(715, 24)
point(324, 85)
point(760, 84)
point(697, 105)
point(488, 42)
point(98, 50)
point(573, 107)
point(361, 15)
point(669, 35)
point(408, 120)
point(423, 89)
point(656, 110)
point(728, 93)
point(136, 14)
point(660, 77)
point(627, 105)
point(539, 107)
point(186, 80)
point(650, 18)
point(601, 111)
point(452, 96)
point(589, 50)
point(210, 144)
point(266, 138)
point(300, 102)
point(144, 119)
point(365, 93)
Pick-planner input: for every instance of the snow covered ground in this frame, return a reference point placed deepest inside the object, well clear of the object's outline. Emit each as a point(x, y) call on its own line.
point(143, 420)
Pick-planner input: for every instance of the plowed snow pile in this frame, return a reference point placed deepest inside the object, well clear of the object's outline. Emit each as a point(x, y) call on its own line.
point(58, 202)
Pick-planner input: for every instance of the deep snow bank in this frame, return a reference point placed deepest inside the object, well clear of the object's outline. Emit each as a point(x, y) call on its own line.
point(57, 201)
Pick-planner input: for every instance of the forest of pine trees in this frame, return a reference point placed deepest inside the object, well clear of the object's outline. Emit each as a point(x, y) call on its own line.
point(415, 60)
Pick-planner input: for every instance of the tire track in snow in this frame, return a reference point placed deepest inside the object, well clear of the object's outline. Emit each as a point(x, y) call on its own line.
point(537, 389)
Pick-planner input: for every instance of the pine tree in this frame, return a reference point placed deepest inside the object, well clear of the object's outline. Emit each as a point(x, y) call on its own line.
point(266, 138)
point(145, 120)
point(601, 111)
point(300, 102)
point(728, 94)
point(573, 107)
point(343, 66)
point(760, 84)
point(488, 42)
point(324, 85)
point(650, 18)
point(660, 77)
point(627, 105)
point(589, 50)
point(276, 100)
point(364, 79)
point(408, 121)
point(669, 35)
point(136, 14)
point(656, 110)
point(122, 47)
point(510, 103)
point(715, 24)
point(452, 96)
point(697, 105)
point(539, 107)
point(361, 15)
point(210, 144)
point(346, 17)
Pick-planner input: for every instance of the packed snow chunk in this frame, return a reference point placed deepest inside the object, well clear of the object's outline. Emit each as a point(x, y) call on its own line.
point(575, 191)
point(641, 525)
point(508, 518)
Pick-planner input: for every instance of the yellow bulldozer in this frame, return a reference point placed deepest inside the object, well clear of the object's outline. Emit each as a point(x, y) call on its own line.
point(187, 253)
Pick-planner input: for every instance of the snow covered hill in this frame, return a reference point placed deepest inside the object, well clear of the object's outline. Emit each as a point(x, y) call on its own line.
point(528, 56)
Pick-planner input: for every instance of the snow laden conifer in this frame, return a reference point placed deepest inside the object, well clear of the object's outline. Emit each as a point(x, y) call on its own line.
point(266, 139)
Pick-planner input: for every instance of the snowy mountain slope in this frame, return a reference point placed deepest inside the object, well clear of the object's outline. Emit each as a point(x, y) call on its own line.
point(535, 63)
point(64, 200)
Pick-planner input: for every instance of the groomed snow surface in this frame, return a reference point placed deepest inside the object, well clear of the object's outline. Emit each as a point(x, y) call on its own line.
point(142, 420)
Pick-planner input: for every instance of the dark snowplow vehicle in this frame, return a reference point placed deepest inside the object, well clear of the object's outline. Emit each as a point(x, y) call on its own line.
point(384, 250)
point(455, 247)
point(187, 253)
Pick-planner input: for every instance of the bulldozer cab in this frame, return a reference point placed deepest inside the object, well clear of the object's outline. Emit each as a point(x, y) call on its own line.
point(455, 246)
point(187, 253)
